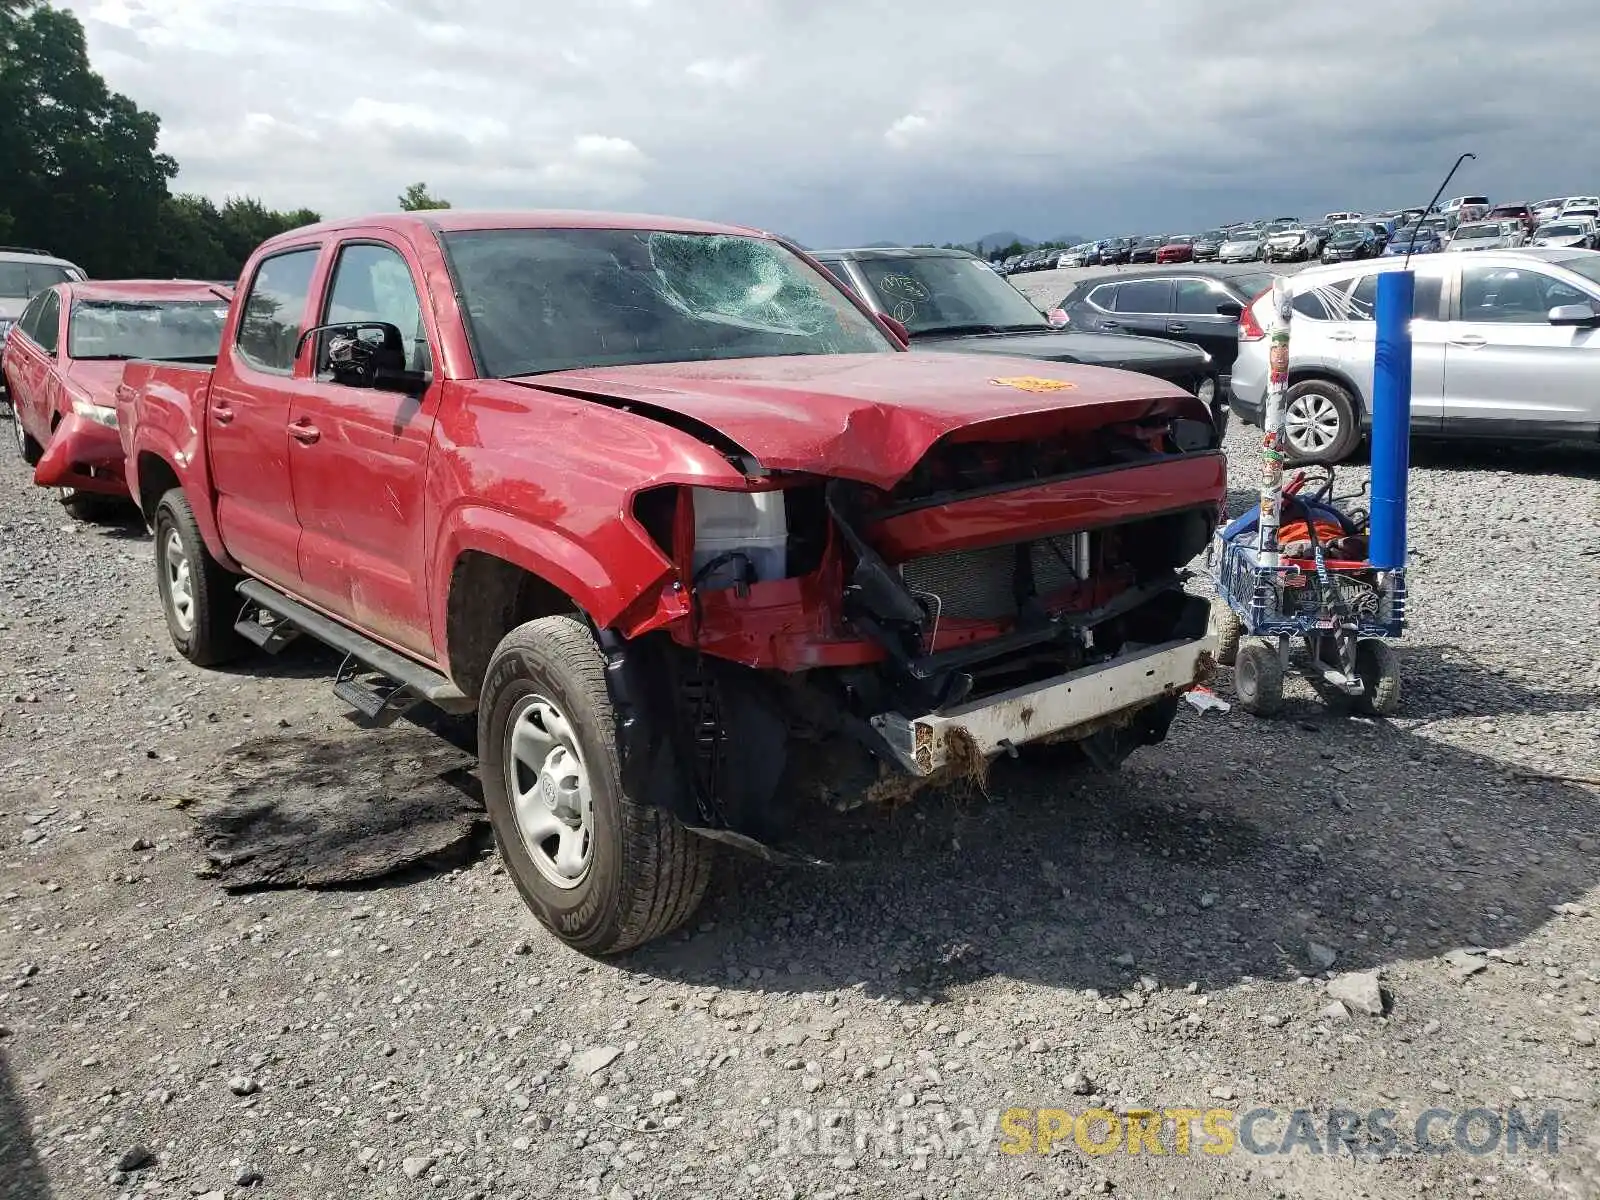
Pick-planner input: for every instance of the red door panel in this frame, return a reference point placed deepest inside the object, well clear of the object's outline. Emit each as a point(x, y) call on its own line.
point(358, 458)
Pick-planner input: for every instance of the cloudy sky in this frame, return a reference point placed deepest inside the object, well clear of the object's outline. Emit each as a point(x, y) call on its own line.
point(839, 121)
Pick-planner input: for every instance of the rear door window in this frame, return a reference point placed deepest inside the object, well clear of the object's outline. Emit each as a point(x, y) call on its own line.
point(1145, 296)
point(274, 308)
point(29, 321)
point(48, 333)
point(1198, 297)
point(1363, 300)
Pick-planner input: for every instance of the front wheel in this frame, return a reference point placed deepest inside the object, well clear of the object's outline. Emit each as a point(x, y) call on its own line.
point(1230, 632)
point(601, 871)
point(1319, 422)
point(28, 449)
point(197, 593)
point(1258, 679)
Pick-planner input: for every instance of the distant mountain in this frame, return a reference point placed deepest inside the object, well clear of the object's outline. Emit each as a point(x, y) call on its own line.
point(993, 241)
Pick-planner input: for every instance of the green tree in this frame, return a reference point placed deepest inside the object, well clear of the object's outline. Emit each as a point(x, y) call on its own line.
point(82, 175)
point(416, 199)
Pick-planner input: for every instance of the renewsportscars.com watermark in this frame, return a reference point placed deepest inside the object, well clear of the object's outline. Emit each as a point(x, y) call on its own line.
point(1097, 1132)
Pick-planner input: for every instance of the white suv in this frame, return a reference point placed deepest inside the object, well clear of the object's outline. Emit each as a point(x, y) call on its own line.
point(1505, 344)
point(24, 274)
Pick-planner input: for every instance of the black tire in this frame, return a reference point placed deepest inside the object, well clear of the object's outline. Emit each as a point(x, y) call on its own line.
point(1378, 668)
point(1230, 630)
point(644, 874)
point(1325, 416)
point(204, 634)
point(1258, 679)
point(93, 508)
point(28, 449)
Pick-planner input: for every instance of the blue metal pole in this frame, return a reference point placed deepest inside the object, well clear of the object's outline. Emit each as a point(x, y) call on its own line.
point(1391, 419)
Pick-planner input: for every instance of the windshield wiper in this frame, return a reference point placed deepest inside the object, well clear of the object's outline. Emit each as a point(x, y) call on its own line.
point(958, 330)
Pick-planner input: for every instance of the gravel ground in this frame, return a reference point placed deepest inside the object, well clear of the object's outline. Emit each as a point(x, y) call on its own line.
point(1162, 938)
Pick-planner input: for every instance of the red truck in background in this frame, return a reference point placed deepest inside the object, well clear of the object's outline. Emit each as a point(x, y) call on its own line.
point(661, 501)
point(64, 359)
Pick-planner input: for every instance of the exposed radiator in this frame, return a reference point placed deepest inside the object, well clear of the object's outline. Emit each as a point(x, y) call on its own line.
point(981, 584)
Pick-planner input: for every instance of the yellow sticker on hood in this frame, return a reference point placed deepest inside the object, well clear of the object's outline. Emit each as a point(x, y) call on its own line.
point(1032, 383)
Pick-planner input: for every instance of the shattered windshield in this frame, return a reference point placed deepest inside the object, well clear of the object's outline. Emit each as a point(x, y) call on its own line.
point(146, 328)
point(943, 294)
point(557, 299)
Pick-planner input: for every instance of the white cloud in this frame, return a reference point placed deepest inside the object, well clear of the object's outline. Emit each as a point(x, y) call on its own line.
point(834, 120)
point(724, 72)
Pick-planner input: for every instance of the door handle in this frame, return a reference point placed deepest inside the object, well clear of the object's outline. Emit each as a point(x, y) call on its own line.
point(222, 416)
point(304, 432)
point(1469, 341)
point(1341, 335)
point(1110, 325)
point(1176, 327)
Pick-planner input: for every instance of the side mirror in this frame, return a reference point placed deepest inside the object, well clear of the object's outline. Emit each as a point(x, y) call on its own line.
point(1230, 308)
point(357, 359)
point(1578, 315)
point(897, 330)
point(1057, 317)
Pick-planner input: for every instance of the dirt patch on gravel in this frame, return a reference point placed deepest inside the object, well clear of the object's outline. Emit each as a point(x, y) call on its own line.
point(330, 811)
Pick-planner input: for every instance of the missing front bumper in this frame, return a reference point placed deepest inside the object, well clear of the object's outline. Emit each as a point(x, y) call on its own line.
point(1081, 699)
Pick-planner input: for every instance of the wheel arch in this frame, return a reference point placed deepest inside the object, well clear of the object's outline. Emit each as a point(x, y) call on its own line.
point(488, 597)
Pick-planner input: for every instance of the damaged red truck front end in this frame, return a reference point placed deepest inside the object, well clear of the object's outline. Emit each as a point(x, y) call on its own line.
point(994, 563)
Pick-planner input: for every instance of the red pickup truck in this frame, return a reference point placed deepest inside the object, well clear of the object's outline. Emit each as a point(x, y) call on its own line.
point(664, 504)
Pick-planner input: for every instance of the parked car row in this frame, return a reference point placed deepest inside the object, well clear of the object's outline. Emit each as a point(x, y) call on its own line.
point(1414, 230)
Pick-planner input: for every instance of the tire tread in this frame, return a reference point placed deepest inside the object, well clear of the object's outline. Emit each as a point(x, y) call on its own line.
point(666, 869)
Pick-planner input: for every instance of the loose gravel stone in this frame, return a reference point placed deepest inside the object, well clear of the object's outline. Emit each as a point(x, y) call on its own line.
point(1161, 950)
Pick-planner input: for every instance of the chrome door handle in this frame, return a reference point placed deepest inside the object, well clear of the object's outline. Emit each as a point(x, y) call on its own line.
point(1176, 327)
point(1470, 342)
point(304, 432)
point(1341, 335)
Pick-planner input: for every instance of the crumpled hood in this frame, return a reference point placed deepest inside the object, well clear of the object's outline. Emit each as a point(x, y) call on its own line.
point(867, 417)
point(1124, 351)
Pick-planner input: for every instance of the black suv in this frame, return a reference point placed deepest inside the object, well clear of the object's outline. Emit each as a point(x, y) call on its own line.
point(949, 301)
point(1200, 304)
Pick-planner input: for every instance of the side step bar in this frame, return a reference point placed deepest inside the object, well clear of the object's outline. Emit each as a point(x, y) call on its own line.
point(402, 683)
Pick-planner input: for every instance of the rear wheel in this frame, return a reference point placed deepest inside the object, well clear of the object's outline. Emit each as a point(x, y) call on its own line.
point(1378, 668)
point(601, 871)
point(1319, 422)
point(197, 593)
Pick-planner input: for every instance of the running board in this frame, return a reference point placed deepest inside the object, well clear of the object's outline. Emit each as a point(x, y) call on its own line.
point(402, 679)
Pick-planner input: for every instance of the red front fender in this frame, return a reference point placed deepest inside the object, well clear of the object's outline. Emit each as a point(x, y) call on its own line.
point(78, 447)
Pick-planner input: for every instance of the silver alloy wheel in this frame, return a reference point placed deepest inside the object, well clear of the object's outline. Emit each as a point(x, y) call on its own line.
point(549, 788)
point(1311, 422)
point(180, 581)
